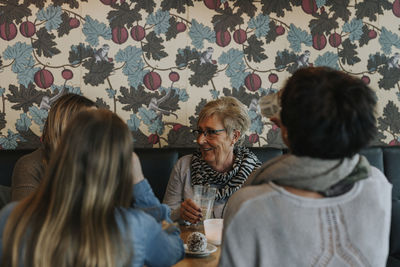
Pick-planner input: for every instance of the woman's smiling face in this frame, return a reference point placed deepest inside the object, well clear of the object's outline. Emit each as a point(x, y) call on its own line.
point(217, 148)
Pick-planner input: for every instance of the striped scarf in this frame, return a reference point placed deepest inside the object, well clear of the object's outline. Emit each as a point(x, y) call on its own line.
point(227, 183)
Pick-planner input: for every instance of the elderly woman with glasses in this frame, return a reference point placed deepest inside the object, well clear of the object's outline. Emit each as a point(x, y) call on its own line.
point(220, 162)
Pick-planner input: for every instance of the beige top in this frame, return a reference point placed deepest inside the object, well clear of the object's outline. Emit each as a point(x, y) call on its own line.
point(27, 174)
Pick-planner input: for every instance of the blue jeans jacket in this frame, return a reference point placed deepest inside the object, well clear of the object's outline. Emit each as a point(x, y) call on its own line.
point(151, 245)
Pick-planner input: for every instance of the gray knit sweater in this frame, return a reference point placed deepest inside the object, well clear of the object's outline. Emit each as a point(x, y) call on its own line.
point(265, 225)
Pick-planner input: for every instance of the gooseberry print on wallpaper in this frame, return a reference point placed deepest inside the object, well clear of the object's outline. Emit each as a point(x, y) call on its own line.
point(156, 63)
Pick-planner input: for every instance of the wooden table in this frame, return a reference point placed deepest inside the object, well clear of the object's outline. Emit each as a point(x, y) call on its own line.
point(209, 261)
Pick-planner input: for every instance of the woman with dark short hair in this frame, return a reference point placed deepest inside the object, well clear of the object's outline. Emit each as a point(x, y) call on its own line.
point(322, 204)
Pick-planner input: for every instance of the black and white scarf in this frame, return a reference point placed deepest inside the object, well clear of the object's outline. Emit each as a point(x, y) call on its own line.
point(228, 182)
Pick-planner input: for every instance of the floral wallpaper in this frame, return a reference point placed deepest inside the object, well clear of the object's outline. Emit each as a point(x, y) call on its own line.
point(156, 63)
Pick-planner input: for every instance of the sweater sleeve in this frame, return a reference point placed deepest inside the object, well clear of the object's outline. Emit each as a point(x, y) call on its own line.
point(145, 200)
point(164, 247)
point(27, 174)
point(174, 194)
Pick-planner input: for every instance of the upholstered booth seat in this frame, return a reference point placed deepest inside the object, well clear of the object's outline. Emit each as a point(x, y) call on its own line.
point(158, 163)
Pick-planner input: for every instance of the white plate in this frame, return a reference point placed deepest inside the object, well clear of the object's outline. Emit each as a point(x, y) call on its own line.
point(209, 249)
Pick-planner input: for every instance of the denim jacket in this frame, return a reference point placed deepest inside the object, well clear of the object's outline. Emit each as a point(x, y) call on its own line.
point(151, 245)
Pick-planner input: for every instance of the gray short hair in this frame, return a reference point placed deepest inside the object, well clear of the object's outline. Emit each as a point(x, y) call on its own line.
point(230, 111)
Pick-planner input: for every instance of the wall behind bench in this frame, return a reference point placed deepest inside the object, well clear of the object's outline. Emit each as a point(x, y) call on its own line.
point(156, 63)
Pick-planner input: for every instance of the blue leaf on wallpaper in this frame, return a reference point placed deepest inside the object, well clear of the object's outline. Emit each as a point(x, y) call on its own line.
point(232, 56)
point(21, 64)
point(21, 53)
point(387, 39)
point(26, 76)
point(2, 90)
point(354, 27)
point(297, 36)
point(133, 123)
point(135, 78)
point(147, 116)
point(74, 90)
point(18, 51)
point(320, 3)
point(69, 89)
point(237, 74)
point(256, 124)
point(111, 92)
point(236, 66)
point(93, 29)
point(214, 93)
point(38, 116)
point(182, 94)
point(260, 24)
point(160, 20)
point(52, 16)
point(131, 55)
point(133, 68)
point(198, 32)
point(23, 123)
point(157, 127)
point(9, 141)
point(252, 114)
point(267, 91)
point(329, 59)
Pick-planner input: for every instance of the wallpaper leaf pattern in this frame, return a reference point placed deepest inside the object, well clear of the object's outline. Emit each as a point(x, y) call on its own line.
point(157, 63)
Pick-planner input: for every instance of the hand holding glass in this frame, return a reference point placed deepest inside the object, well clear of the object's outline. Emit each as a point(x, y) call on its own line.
point(204, 196)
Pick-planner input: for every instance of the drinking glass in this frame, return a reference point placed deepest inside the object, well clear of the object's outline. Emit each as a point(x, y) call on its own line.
point(204, 196)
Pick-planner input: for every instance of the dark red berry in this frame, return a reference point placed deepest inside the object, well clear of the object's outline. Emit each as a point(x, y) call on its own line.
point(309, 6)
point(138, 33)
point(152, 80)
point(273, 78)
point(27, 29)
point(108, 2)
point(335, 39)
point(319, 41)
point(212, 4)
point(366, 79)
point(174, 76)
point(43, 78)
point(67, 74)
point(8, 31)
point(74, 23)
point(396, 8)
point(181, 27)
point(223, 38)
point(372, 34)
point(254, 138)
point(153, 139)
point(240, 36)
point(119, 35)
point(176, 127)
point(252, 82)
point(280, 30)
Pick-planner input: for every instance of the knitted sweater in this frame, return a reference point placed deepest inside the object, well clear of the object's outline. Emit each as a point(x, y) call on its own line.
point(265, 225)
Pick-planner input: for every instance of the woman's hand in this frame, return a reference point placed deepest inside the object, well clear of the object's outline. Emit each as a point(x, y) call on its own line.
point(137, 169)
point(190, 212)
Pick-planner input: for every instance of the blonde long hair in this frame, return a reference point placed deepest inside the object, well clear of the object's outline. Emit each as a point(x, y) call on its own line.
point(71, 220)
point(61, 112)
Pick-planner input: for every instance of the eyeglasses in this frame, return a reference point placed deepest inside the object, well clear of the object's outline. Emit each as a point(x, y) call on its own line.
point(209, 133)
